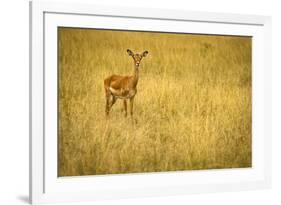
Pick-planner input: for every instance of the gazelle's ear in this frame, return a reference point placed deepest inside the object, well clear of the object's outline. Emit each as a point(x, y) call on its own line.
point(130, 52)
point(144, 53)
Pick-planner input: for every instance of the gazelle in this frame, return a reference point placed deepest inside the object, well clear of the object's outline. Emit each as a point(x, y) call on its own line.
point(123, 87)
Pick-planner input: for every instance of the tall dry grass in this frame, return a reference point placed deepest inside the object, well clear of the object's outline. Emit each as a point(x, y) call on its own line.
point(192, 109)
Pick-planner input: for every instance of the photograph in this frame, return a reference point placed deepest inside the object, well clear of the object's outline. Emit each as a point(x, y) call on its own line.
point(149, 101)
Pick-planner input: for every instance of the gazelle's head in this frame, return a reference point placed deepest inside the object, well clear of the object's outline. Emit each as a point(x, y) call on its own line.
point(137, 57)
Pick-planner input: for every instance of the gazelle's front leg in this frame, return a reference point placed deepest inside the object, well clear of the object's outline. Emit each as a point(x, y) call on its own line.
point(125, 107)
point(131, 106)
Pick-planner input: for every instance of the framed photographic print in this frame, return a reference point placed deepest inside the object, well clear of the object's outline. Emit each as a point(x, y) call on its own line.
point(129, 102)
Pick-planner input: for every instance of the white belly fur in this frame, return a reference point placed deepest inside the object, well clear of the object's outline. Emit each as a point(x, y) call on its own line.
point(122, 93)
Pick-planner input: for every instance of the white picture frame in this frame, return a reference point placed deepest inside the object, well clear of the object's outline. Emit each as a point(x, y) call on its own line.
point(46, 187)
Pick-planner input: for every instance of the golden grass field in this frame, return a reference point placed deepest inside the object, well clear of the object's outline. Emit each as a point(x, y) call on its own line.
point(192, 110)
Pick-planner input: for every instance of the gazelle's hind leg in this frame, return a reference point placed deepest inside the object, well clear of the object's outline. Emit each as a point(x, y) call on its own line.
point(112, 101)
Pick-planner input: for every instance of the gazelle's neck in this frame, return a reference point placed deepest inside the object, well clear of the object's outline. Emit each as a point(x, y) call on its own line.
point(136, 76)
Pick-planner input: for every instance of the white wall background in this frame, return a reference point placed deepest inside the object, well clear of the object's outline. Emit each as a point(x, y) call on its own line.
point(14, 100)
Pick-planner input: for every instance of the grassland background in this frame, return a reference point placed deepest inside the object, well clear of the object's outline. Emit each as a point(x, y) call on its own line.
point(192, 109)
